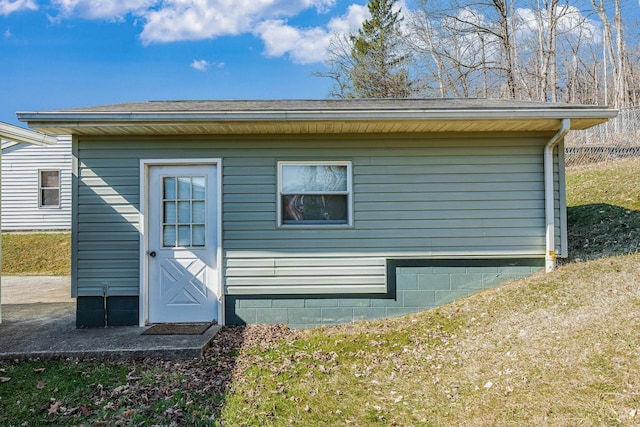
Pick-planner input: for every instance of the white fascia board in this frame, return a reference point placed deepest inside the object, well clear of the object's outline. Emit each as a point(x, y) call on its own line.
point(24, 136)
point(79, 118)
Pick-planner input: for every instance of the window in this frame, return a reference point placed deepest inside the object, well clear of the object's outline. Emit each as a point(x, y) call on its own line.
point(183, 211)
point(49, 189)
point(314, 193)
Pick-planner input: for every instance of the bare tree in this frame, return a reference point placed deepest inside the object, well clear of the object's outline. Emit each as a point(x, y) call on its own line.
point(615, 52)
point(547, 50)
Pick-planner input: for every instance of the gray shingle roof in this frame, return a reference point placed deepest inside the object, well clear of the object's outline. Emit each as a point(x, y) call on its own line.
point(321, 105)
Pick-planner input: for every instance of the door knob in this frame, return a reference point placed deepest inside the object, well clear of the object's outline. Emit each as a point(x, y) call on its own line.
point(152, 254)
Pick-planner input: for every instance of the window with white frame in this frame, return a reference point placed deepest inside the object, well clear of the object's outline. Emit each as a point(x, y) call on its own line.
point(49, 189)
point(314, 193)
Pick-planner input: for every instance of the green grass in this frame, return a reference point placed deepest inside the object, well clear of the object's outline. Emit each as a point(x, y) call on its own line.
point(554, 349)
point(55, 392)
point(41, 254)
point(604, 209)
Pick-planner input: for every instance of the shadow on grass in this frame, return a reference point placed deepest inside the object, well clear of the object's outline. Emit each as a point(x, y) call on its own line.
point(122, 392)
point(192, 392)
point(602, 230)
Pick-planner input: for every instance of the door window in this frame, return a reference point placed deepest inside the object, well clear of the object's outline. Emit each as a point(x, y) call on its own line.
point(183, 212)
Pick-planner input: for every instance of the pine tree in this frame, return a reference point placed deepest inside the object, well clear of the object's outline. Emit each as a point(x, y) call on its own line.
point(380, 67)
point(372, 63)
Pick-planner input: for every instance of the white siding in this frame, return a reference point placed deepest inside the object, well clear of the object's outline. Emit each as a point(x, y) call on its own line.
point(20, 166)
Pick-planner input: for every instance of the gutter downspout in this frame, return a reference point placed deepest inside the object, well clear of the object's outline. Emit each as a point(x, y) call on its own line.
point(549, 208)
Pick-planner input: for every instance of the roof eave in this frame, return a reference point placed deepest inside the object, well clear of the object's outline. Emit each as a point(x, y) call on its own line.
point(24, 136)
point(69, 117)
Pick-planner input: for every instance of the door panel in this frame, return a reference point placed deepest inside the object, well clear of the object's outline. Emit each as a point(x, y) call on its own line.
point(182, 244)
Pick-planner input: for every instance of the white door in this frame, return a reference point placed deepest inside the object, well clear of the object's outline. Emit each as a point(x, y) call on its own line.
point(182, 244)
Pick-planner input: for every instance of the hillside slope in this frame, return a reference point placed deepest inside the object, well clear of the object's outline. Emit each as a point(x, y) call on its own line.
point(554, 349)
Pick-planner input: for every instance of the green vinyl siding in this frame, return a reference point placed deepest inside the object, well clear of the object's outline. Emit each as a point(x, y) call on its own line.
point(426, 196)
point(418, 285)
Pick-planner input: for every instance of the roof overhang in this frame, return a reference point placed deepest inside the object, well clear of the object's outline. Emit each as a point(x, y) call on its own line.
point(24, 136)
point(300, 117)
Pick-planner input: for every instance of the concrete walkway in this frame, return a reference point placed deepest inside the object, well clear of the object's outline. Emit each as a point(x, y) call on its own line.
point(38, 321)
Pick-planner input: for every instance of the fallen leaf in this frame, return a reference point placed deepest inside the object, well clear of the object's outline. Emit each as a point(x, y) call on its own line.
point(41, 384)
point(5, 379)
point(53, 409)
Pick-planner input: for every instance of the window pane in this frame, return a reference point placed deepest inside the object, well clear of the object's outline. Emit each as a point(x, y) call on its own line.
point(197, 209)
point(184, 212)
point(198, 187)
point(50, 197)
point(169, 236)
point(198, 235)
point(169, 212)
point(184, 188)
point(184, 235)
point(314, 209)
point(49, 179)
point(169, 188)
point(313, 178)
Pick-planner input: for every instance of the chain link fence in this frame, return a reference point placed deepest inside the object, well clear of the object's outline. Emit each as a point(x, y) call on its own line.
point(618, 138)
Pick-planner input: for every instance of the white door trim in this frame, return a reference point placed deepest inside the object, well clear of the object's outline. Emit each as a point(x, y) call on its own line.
point(145, 165)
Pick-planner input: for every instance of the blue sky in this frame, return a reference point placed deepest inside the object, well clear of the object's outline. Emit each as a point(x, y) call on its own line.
point(58, 54)
point(71, 53)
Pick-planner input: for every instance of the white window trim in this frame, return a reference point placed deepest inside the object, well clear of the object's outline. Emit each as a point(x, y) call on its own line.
point(40, 188)
point(348, 164)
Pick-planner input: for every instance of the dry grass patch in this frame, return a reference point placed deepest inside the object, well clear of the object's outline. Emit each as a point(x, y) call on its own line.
point(39, 254)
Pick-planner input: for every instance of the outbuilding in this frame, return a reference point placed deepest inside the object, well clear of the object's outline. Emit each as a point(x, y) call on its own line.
point(309, 212)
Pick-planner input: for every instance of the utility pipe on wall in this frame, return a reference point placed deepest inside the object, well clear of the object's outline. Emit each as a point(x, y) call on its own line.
point(549, 208)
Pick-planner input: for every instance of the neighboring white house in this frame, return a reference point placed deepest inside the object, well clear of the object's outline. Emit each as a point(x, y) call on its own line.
point(36, 186)
point(22, 136)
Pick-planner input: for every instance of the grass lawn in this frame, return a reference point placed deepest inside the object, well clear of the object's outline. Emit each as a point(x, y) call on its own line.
point(553, 349)
point(39, 254)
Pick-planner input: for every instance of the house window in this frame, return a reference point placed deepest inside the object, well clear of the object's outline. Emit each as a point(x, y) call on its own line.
point(314, 193)
point(49, 189)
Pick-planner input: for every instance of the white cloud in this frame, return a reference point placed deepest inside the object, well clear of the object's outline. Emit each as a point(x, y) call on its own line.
point(200, 64)
point(203, 65)
point(307, 45)
point(571, 22)
point(103, 9)
point(8, 33)
point(303, 45)
point(350, 21)
point(203, 19)
point(10, 6)
point(166, 21)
